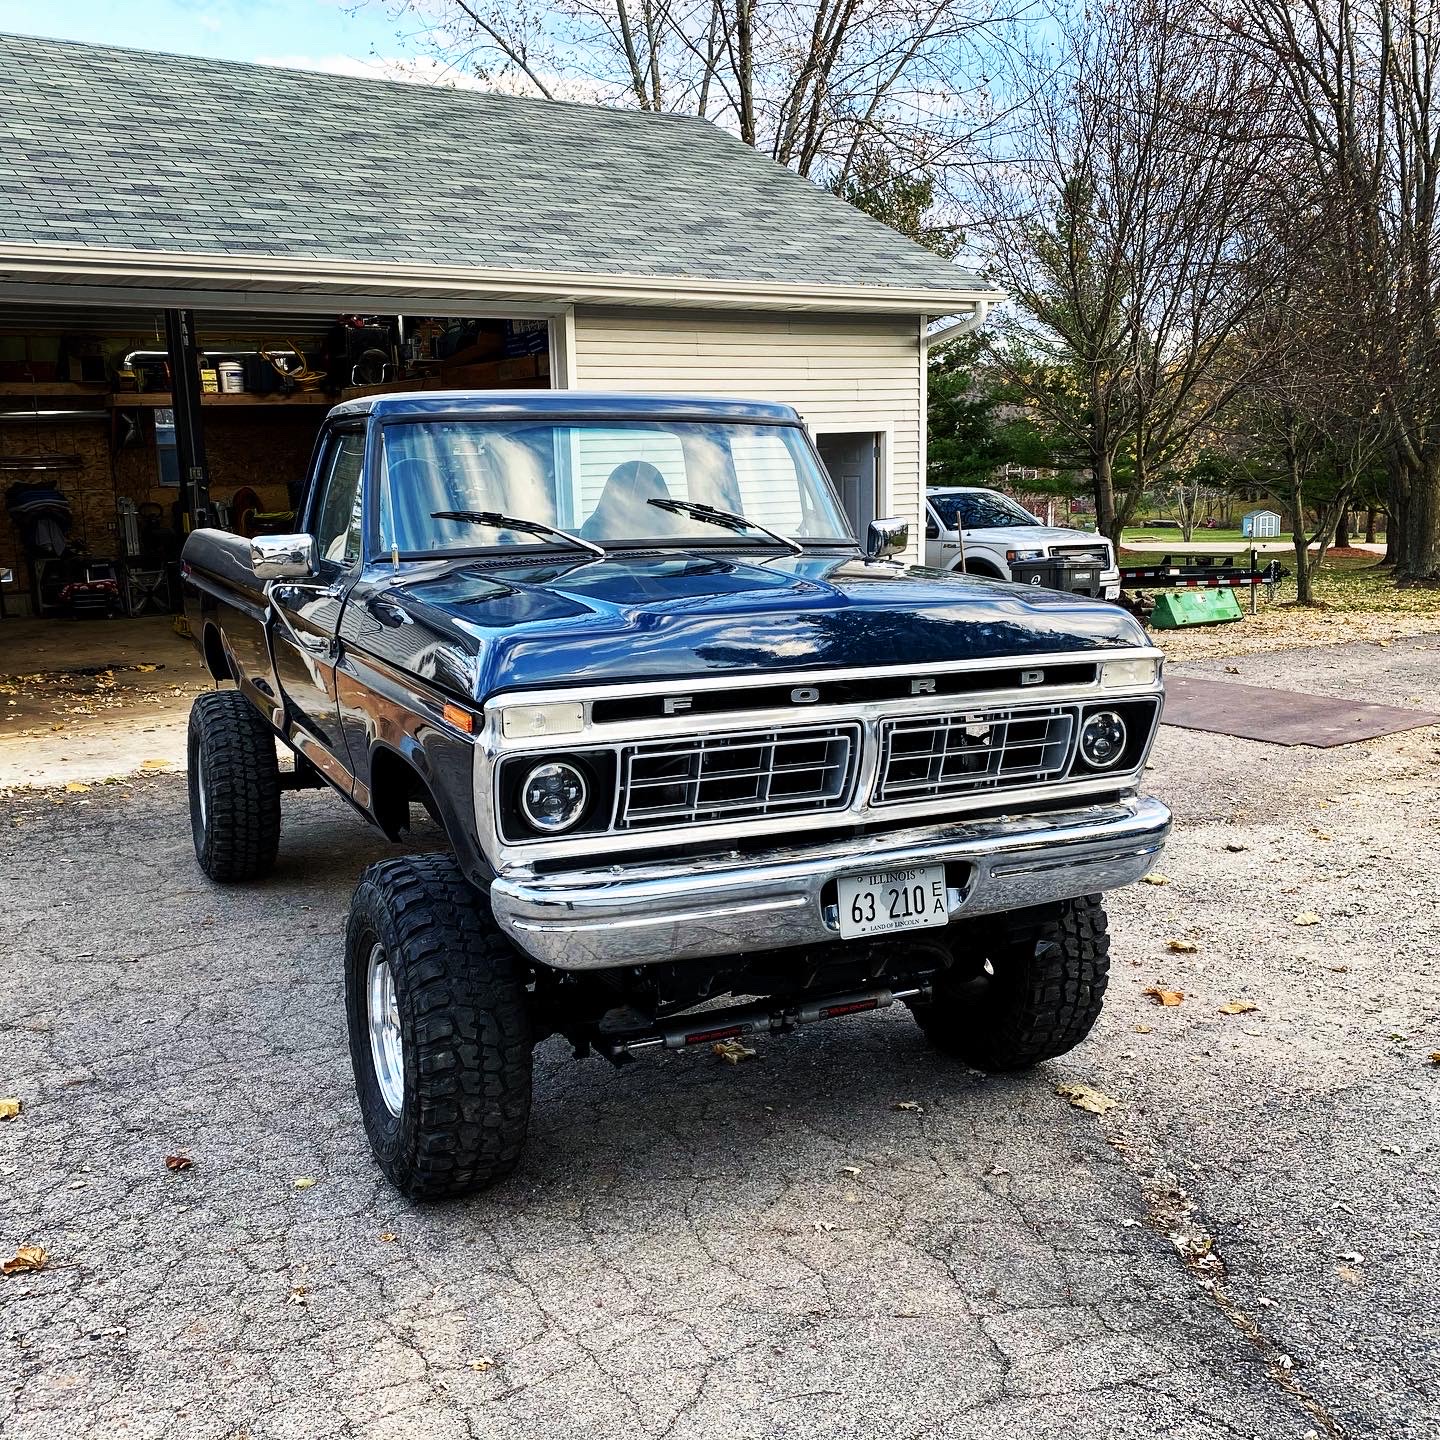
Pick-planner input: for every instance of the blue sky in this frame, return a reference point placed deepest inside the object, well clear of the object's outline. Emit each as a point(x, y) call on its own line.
point(314, 34)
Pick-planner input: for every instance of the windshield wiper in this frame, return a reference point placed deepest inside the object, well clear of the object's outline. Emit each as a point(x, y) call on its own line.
point(727, 518)
point(496, 521)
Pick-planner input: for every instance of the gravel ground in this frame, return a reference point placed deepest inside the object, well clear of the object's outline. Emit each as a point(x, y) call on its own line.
point(1246, 1246)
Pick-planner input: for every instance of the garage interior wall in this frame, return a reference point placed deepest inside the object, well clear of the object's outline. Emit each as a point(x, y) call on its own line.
point(843, 373)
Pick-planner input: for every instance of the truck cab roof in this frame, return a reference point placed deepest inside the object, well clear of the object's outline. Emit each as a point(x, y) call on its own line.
point(571, 404)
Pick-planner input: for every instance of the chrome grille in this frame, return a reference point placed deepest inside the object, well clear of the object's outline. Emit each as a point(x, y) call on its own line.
point(728, 777)
point(937, 755)
point(1098, 553)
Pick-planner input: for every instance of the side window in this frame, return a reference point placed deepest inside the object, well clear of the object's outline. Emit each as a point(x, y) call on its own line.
point(932, 529)
point(336, 523)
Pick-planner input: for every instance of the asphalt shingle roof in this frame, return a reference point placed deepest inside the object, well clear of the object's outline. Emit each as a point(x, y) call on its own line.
point(128, 149)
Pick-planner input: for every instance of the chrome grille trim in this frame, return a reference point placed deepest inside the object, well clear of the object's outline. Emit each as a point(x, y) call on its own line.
point(1098, 553)
point(779, 771)
point(967, 751)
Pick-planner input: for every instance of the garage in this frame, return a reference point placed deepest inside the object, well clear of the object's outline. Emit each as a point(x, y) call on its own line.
point(185, 288)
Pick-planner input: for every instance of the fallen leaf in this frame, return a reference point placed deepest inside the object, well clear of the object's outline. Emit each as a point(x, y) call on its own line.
point(178, 1162)
point(1238, 1007)
point(997, 1170)
point(732, 1051)
point(1232, 669)
point(28, 1259)
point(77, 787)
point(1234, 847)
point(852, 1170)
point(389, 1236)
point(825, 1225)
point(1087, 1097)
point(9, 1107)
point(1320, 834)
point(914, 1105)
point(1349, 1275)
point(1182, 947)
point(154, 764)
point(1352, 1257)
point(1434, 1057)
point(1165, 997)
point(1307, 917)
point(300, 1295)
point(1143, 1029)
point(484, 1363)
point(146, 669)
point(304, 1182)
point(1156, 878)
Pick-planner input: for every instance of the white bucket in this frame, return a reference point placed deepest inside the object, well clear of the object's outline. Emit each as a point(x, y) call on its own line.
point(232, 377)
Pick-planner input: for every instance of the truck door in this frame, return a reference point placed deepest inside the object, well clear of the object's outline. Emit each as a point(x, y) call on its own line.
point(307, 612)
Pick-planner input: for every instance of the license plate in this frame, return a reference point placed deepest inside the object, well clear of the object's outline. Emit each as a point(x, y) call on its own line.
point(877, 902)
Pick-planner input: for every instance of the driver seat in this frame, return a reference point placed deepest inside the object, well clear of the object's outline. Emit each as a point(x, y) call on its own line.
point(623, 510)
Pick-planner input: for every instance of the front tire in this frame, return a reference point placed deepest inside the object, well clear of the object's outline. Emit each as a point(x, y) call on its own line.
point(234, 782)
point(1027, 986)
point(440, 1035)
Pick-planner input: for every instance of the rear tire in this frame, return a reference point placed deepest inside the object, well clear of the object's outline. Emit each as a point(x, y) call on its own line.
point(440, 1034)
point(1027, 986)
point(234, 782)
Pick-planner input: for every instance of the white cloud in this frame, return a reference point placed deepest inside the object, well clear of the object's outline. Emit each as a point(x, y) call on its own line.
point(415, 70)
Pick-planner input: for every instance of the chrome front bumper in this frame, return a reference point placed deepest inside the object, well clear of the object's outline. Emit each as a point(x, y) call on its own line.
point(642, 914)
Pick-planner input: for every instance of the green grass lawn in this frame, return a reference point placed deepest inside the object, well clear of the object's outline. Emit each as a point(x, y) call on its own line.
point(1201, 537)
point(1215, 537)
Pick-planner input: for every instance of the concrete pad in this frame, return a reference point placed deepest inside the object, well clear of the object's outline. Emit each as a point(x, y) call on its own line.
point(85, 700)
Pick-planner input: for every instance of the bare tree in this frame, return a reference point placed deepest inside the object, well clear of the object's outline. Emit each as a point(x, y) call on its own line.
point(1126, 223)
point(1358, 98)
point(823, 86)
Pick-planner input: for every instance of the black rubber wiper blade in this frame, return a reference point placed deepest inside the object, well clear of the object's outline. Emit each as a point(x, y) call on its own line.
point(494, 520)
point(728, 518)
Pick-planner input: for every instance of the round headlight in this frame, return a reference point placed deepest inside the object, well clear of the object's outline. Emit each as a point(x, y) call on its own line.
point(1102, 740)
point(553, 796)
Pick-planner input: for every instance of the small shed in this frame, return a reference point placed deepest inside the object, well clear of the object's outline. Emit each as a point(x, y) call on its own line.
point(1260, 525)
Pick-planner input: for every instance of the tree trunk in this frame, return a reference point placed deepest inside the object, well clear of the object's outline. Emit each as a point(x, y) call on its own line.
point(1342, 531)
point(1398, 511)
point(1421, 559)
point(1103, 477)
point(1370, 525)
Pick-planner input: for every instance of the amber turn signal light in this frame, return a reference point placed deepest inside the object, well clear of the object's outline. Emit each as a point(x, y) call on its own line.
point(460, 719)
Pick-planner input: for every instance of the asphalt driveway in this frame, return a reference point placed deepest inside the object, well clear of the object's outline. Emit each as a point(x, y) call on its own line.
point(1245, 1246)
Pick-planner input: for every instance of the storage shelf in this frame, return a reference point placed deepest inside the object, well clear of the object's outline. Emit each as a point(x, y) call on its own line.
point(51, 388)
point(152, 399)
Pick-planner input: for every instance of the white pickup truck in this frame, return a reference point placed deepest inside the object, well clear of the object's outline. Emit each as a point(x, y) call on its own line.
point(996, 532)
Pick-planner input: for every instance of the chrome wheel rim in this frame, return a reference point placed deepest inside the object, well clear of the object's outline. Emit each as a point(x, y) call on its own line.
point(200, 787)
point(383, 1016)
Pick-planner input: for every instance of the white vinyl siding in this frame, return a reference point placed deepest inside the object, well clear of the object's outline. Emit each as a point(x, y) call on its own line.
point(842, 373)
point(595, 453)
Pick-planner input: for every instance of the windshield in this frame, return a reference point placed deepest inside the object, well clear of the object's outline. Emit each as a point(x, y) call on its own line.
point(596, 479)
point(980, 510)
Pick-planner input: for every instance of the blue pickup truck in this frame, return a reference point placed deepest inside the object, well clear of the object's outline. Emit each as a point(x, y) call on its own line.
point(687, 742)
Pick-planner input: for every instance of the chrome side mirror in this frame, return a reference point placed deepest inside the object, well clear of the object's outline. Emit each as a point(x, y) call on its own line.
point(282, 557)
point(886, 538)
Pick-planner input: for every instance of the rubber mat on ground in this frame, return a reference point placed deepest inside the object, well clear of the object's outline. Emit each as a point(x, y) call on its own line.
point(1283, 717)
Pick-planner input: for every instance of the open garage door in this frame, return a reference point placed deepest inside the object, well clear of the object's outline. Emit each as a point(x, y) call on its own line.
point(120, 422)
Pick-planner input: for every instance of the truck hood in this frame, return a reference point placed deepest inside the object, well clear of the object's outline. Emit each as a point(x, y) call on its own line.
point(483, 626)
point(1030, 537)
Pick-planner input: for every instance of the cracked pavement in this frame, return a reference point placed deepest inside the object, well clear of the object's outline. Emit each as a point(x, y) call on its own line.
point(696, 1249)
